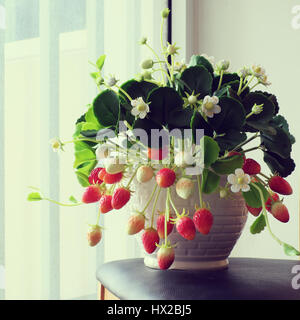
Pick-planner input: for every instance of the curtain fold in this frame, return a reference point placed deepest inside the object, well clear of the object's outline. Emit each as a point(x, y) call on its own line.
point(44, 88)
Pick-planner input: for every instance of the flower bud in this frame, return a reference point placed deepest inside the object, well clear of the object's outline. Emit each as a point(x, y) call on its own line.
point(143, 41)
point(223, 65)
point(147, 64)
point(165, 13)
point(112, 81)
point(146, 75)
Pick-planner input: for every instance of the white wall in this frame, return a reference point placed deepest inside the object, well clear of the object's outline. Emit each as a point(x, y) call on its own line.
point(248, 32)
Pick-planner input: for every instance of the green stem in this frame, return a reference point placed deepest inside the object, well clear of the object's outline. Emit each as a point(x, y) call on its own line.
point(247, 84)
point(254, 86)
point(251, 149)
point(98, 218)
point(150, 199)
point(167, 215)
point(172, 203)
point(245, 142)
point(264, 175)
point(64, 204)
point(265, 214)
point(132, 177)
point(157, 57)
point(241, 83)
point(200, 191)
point(221, 79)
point(154, 207)
point(124, 92)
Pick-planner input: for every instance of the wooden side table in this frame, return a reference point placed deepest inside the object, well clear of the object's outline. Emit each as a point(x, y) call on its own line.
point(245, 279)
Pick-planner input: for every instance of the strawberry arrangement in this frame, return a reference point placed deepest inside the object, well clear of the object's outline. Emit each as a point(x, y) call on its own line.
point(133, 134)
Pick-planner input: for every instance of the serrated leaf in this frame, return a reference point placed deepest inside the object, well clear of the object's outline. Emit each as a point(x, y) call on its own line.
point(34, 196)
point(197, 60)
point(100, 62)
point(197, 79)
point(231, 117)
point(107, 108)
point(73, 199)
point(210, 181)
point(258, 225)
point(209, 150)
point(290, 250)
point(278, 164)
point(94, 75)
point(227, 165)
point(252, 197)
point(82, 179)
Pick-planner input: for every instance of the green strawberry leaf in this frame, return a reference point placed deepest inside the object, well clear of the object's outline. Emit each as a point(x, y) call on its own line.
point(227, 165)
point(34, 196)
point(231, 117)
point(210, 181)
point(198, 80)
point(197, 60)
point(231, 139)
point(252, 197)
point(100, 62)
point(72, 199)
point(281, 122)
point(258, 225)
point(278, 164)
point(82, 178)
point(136, 89)
point(290, 250)
point(107, 108)
point(209, 150)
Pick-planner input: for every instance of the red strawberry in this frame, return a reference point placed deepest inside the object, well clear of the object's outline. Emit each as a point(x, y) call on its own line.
point(94, 235)
point(271, 200)
point(105, 203)
point(160, 224)
point(136, 223)
point(254, 211)
point(102, 174)
point(251, 167)
point(165, 177)
point(158, 154)
point(165, 257)
point(203, 220)
point(150, 238)
point(235, 153)
point(91, 194)
point(120, 197)
point(280, 212)
point(280, 185)
point(186, 227)
point(94, 178)
point(112, 178)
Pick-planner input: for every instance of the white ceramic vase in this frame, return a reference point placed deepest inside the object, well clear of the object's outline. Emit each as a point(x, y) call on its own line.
point(205, 252)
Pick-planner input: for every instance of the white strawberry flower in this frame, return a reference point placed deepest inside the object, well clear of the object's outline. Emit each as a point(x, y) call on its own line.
point(56, 144)
point(239, 181)
point(258, 71)
point(140, 108)
point(244, 72)
point(210, 106)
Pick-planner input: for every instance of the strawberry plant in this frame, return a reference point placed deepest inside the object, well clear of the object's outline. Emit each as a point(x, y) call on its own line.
point(183, 126)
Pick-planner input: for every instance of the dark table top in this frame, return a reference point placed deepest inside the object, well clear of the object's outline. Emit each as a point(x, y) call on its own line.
point(246, 278)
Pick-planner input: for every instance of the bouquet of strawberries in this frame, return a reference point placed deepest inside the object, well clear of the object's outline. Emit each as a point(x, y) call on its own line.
point(186, 126)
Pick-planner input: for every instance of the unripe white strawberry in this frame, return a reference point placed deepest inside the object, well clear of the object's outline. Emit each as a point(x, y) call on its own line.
point(183, 159)
point(184, 188)
point(94, 235)
point(136, 223)
point(165, 257)
point(144, 174)
point(114, 166)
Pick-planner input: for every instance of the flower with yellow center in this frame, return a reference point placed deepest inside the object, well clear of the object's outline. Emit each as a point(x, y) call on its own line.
point(239, 181)
point(210, 106)
point(56, 144)
point(140, 108)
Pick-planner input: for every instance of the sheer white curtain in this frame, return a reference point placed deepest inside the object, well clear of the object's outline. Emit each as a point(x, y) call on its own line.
point(44, 87)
